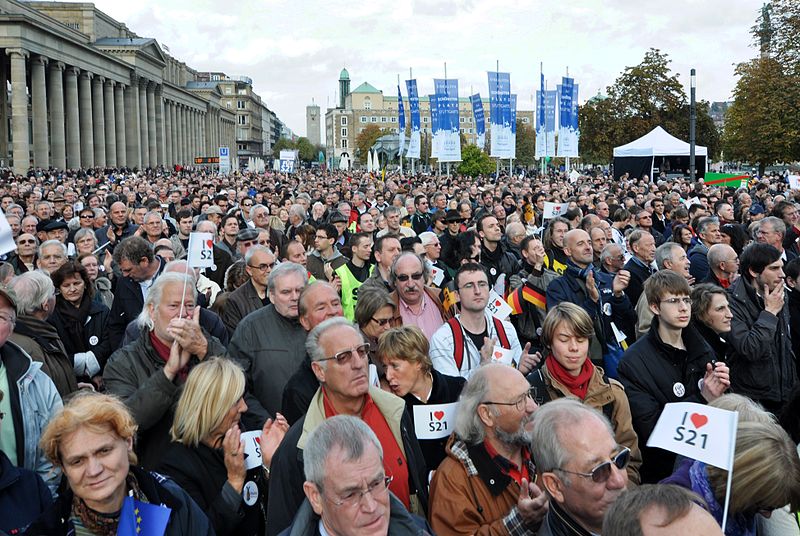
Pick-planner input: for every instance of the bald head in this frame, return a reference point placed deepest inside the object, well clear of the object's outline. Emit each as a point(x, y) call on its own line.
point(723, 260)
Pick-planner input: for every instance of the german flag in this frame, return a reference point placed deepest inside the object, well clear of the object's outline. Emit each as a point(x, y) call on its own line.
point(526, 293)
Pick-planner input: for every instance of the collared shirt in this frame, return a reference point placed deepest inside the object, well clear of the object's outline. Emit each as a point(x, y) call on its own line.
point(429, 318)
point(506, 466)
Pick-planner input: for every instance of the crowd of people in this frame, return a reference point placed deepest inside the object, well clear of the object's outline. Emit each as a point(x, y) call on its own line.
point(394, 355)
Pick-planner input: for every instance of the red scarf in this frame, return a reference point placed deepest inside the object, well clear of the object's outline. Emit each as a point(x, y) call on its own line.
point(163, 352)
point(577, 385)
point(725, 283)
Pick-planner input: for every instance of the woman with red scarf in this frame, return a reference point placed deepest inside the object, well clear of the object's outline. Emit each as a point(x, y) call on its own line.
point(567, 371)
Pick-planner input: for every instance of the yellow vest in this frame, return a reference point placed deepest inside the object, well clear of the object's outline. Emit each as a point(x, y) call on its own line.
point(350, 287)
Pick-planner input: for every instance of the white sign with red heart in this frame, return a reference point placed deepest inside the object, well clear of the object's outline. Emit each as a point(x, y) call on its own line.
point(201, 250)
point(503, 355)
point(252, 448)
point(434, 421)
point(497, 306)
point(437, 275)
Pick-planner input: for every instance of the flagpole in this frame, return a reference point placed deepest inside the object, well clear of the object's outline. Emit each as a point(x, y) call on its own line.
point(447, 98)
point(411, 77)
point(735, 418)
point(403, 133)
point(566, 158)
point(497, 92)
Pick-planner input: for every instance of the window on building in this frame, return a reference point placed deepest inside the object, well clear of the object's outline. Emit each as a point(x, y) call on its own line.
point(240, 104)
point(242, 92)
point(229, 90)
point(469, 120)
point(367, 103)
point(363, 118)
point(374, 119)
point(229, 105)
point(344, 132)
point(343, 120)
point(461, 119)
point(242, 146)
point(469, 130)
point(344, 143)
point(424, 119)
point(394, 119)
point(242, 119)
point(383, 119)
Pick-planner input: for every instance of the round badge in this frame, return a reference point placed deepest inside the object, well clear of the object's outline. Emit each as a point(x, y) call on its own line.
point(679, 389)
point(607, 309)
point(493, 271)
point(93, 340)
point(250, 493)
point(213, 267)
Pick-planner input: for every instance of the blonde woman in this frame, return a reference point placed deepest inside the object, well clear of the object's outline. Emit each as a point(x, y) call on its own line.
point(207, 456)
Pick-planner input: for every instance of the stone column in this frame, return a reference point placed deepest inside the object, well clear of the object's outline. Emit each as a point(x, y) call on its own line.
point(55, 96)
point(3, 111)
point(134, 147)
point(193, 117)
point(203, 140)
point(152, 149)
point(110, 123)
point(87, 127)
point(160, 143)
point(168, 159)
point(73, 118)
point(41, 151)
point(143, 128)
point(173, 134)
point(19, 110)
point(176, 125)
point(184, 136)
point(99, 118)
point(119, 120)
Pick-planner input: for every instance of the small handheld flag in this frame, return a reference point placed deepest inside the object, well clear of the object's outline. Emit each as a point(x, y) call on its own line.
point(142, 519)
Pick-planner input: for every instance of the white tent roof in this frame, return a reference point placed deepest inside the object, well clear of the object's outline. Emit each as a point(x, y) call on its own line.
point(658, 142)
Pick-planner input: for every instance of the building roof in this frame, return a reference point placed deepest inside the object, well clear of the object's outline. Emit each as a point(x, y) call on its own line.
point(201, 85)
point(122, 41)
point(366, 87)
point(344, 75)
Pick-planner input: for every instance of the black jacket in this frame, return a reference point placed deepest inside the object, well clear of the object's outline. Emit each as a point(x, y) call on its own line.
point(185, 519)
point(201, 472)
point(557, 522)
point(498, 262)
point(762, 362)
point(222, 261)
point(241, 302)
point(651, 370)
point(23, 497)
point(128, 303)
point(299, 391)
point(94, 331)
point(445, 389)
point(639, 274)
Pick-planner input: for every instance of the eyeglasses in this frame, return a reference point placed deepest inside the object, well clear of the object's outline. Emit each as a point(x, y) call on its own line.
point(602, 472)
point(381, 321)
point(345, 355)
point(675, 301)
point(405, 277)
point(519, 404)
point(480, 285)
point(87, 216)
point(376, 489)
point(8, 319)
point(262, 267)
point(26, 241)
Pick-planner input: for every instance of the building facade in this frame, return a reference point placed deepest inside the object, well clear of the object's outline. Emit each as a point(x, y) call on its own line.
point(367, 105)
point(313, 129)
point(88, 92)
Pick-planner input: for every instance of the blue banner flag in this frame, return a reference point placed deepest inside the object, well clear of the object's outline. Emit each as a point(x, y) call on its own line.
point(500, 114)
point(567, 134)
point(550, 98)
point(449, 143)
point(480, 119)
point(401, 121)
point(413, 106)
point(433, 104)
point(513, 126)
point(142, 519)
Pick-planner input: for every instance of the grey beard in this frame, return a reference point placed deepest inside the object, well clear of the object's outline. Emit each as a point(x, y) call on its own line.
point(520, 438)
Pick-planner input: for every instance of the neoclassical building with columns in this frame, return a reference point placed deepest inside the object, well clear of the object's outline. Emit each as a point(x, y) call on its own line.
point(85, 91)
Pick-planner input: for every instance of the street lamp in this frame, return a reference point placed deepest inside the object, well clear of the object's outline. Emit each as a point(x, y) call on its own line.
point(692, 121)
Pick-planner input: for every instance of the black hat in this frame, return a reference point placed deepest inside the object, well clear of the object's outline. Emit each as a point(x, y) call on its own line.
point(338, 217)
point(247, 234)
point(452, 216)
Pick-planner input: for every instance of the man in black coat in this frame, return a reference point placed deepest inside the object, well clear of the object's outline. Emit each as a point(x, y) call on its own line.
point(671, 363)
point(494, 256)
point(643, 246)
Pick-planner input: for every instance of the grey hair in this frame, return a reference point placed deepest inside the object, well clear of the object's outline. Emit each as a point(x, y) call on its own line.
point(606, 253)
point(150, 214)
point(313, 347)
point(343, 432)
point(703, 224)
point(298, 210)
point(468, 426)
point(391, 209)
point(256, 207)
point(284, 269)
point(48, 243)
point(427, 237)
point(426, 270)
point(664, 253)
point(99, 211)
point(546, 444)
point(207, 223)
point(778, 224)
point(255, 249)
point(180, 266)
point(33, 289)
point(145, 319)
point(83, 231)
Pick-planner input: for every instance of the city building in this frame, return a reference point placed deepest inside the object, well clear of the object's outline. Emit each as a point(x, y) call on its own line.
point(366, 105)
point(313, 129)
point(86, 91)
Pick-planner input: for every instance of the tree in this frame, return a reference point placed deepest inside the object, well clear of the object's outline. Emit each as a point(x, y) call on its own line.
point(526, 144)
point(283, 144)
point(643, 97)
point(474, 162)
point(366, 139)
point(307, 151)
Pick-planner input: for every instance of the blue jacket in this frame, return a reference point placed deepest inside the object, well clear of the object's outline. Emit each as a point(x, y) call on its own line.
point(23, 497)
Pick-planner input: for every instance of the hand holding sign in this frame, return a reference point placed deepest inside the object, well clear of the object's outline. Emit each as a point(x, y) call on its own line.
point(233, 452)
point(271, 436)
point(497, 306)
point(434, 421)
point(487, 349)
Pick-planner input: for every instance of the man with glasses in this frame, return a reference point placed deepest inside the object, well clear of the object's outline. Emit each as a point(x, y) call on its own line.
point(252, 295)
point(325, 252)
point(644, 221)
point(474, 337)
point(649, 373)
point(771, 231)
point(244, 214)
point(486, 485)
point(339, 359)
point(415, 303)
point(581, 466)
point(269, 342)
point(342, 455)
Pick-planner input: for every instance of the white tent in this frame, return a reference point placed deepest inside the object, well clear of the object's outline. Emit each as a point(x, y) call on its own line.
point(657, 150)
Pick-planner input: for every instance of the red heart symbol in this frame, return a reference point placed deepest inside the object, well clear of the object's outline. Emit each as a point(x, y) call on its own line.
point(210, 243)
point(498, 355)
point(439, 415)
point(698, 420)
point(497, 303)
point(258, 440)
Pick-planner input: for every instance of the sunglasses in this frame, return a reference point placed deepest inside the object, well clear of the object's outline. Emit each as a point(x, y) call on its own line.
point(602, 472)
point(381, 321)
point(404, 277)
point(26, 241)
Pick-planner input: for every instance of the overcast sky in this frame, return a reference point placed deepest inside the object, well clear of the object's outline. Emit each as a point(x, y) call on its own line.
point(294, 49)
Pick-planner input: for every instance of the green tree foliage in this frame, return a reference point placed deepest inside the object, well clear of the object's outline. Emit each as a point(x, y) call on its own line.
point(526, 144)
point(643, 97)
point(474, 162)
point(762, 126)
point(283, 144)
point(307, 151)
point(366, 139)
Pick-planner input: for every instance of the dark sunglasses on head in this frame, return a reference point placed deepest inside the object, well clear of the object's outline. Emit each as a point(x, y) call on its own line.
point(602, 472)
point(404, 277)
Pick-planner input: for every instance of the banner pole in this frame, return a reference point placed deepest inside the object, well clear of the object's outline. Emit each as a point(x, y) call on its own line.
point(403, 132)
point(735, 417)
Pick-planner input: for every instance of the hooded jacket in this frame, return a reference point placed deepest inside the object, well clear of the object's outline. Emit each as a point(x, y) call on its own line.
point(41, 341)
